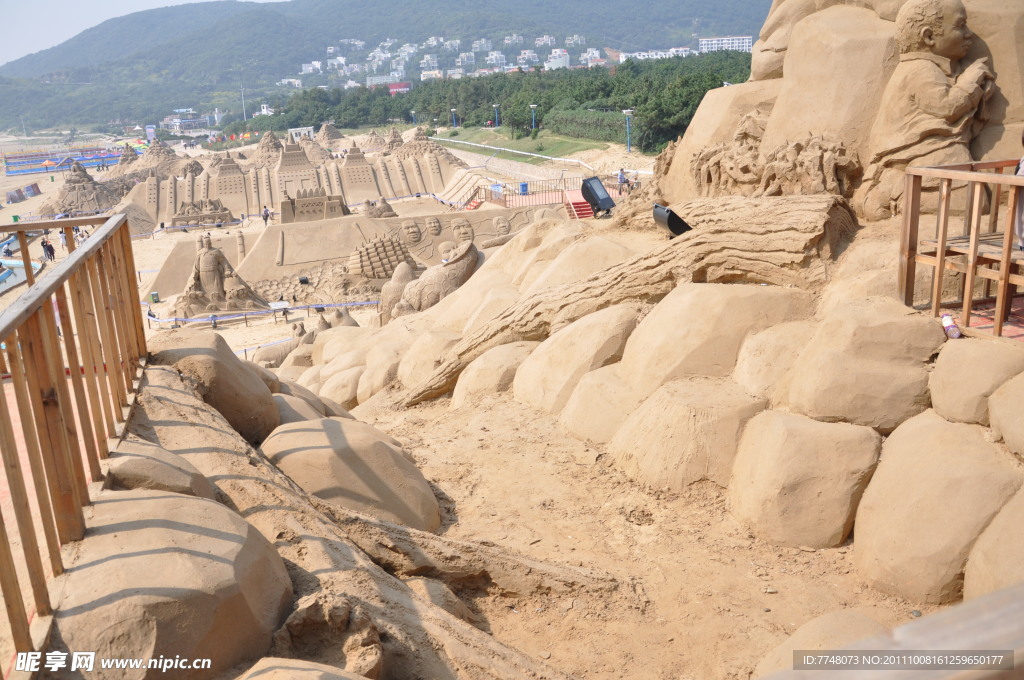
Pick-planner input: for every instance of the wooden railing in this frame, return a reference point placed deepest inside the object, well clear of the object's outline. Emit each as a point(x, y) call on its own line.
point(74, 345)
point(984, 252)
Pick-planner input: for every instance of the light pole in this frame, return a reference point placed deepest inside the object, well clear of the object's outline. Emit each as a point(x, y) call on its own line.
point(533, 116)
point(629, 117)
point(497, 116)
point(454, 122)
point(413, 117)
point(240, 89)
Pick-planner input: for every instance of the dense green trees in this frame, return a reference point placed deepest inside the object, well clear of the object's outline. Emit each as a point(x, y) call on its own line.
point(585, 103)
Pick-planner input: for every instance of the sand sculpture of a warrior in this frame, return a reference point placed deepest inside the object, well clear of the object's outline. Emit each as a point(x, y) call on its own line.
point(210, 270)
point(208, 289)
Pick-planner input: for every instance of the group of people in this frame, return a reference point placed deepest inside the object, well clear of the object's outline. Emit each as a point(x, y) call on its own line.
point(50, 252)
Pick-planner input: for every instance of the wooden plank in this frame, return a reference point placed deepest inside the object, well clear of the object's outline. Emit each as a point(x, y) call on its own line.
point(965, 176)
point(55, 224)
point(942, 227)
point(908, 237)
point(13, 602)
point(127, 305)
point(66, 511)
point(26, 305)
point(22, 510)
point(65, 411)
point(89, 374)
point(110, 352)
point(129, 256)
point(35, 456)
point(26, 260)
point(972, 255)
point(123, 368)
point(1005, 290)
point(75, 369)
point(92, 325)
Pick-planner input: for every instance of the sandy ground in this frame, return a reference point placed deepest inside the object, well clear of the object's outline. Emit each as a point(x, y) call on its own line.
point(697, 597)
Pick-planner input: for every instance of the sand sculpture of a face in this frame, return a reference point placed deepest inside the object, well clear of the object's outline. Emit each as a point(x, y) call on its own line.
point(502, 225)
point(936, 26)
point(462, 230)
point(411, 232)
point(434, 226)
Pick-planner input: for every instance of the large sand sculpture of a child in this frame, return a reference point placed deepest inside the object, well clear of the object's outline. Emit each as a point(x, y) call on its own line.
point(931, 109)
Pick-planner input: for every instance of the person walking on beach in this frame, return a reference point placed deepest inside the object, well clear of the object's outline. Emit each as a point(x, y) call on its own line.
point(63, 241)
point(266, 215)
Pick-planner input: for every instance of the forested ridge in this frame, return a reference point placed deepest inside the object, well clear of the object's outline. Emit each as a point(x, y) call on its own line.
point(143, 65)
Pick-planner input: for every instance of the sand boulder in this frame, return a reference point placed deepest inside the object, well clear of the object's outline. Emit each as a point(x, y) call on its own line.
point(291, 389)
point(797, 481)
point(356, 466)
point(1004, 413)
point(580, 260)
point(697, 330)
point(137, 464)
point(936, 488)
point(686, 432)
point(268, 377)
point(171, 575)
point(274, 668)
point(295, 410)
point(599, 405)
point(330, 343)
point(493, 302)
point(221, 378)
point(491, 372)
point(866, 364)
point(549, 375)
point(967, 372)
point(343, 387)
point(424, 355)
point(997, 558)
point(765, 358)
point(834, 630)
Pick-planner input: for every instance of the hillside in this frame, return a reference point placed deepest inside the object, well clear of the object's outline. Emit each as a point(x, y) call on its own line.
point(143, 64)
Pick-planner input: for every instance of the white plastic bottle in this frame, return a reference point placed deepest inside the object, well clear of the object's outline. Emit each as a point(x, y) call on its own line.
point(950, 327)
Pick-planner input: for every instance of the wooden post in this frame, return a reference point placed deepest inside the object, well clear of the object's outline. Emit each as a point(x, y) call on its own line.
point(136, 308)
point(122, 369)
point(1004, 291)
point(75, 373)
point(22, 511)
point(67, 510)
point(35, 456)
point(13, 602)
point(972, 255)
point(111, 356)
point(65, 407)
point(908, 237)
point(91, 325)
point(940, 248)
point(30, 276)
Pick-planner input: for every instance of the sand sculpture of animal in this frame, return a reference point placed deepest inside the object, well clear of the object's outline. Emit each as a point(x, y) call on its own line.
point(272, 355)
point(391, 292)
point(439, 281)
point(342, 317)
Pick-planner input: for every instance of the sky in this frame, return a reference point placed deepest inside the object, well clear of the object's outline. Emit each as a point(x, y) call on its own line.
point(31, 26)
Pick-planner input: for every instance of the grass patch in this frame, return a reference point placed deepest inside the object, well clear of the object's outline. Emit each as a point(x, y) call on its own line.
point(546, 143)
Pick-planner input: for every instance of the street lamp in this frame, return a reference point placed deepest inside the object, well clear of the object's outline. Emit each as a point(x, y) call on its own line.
point(413, 117)
point(497, 116)
point(454, 122)
point(533, 116)
point(629, 117)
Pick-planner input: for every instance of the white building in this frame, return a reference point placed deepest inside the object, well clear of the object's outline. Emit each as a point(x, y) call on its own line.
point(496, 58)
point(514, 39)
point(743, 43)
point(482, 45)
point(372, 81)
point(544, 41)
point(559, 59)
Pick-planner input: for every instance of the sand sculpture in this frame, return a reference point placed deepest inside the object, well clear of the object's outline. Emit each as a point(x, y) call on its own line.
point(805, 86)
point(438, 281)
point(284, 175)
point(215, 286)
point(378, 209)
point(83, 194)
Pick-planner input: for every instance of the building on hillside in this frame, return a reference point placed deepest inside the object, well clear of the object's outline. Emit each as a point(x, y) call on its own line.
point(428, 62)
point(482, 45)
point(456, 73)
point(514, 39)
point(290, 82)
point(744, 43)
point(431, 75)
point(559, 59)
point(374, 81)
point(452, 45)
point(295, 134)
point(527, 57)
point(575, 41)
point(496, 58)
point(544, 41)
point(466, 59)
point(183, 119)
point(264, 111)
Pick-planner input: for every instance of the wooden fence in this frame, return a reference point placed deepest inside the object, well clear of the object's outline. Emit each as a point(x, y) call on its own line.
point(984, 252)
point(74, 347)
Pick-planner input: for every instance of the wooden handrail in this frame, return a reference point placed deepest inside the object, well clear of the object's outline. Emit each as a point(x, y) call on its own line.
point(73, 345)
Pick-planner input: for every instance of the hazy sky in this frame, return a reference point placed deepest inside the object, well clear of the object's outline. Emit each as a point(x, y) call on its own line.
point(34, 25)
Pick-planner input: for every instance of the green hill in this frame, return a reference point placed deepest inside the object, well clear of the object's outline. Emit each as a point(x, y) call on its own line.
point(142, 65)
